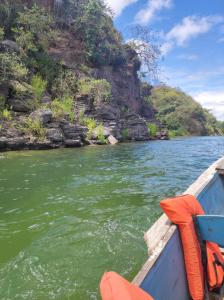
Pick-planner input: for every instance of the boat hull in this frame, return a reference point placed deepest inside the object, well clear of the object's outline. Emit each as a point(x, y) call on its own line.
point(163, 275)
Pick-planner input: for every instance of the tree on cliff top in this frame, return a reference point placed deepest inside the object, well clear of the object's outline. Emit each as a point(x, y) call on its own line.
point(144, 45)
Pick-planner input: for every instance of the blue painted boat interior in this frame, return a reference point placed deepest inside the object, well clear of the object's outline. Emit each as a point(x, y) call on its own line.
point(211, 228)
point(212, 197)
point(167, 278)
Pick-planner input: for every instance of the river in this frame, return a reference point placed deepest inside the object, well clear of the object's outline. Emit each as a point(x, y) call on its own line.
point(68, 215)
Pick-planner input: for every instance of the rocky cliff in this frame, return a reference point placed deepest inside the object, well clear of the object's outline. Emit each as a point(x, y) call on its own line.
point(42, 122)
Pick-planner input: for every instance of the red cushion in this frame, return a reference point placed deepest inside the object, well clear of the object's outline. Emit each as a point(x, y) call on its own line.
point(115, 287)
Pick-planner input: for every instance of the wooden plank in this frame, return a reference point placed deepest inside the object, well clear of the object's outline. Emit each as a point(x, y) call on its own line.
point(157, 232)
point(211, 228)
point(220, 168)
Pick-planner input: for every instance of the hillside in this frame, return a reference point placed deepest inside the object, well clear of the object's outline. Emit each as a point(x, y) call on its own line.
point(68, 79)
point(181, 114)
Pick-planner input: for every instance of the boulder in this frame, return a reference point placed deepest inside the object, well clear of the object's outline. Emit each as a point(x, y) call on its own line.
point(46, 99)
point(55, 135)
point(22, 97)
point(3, 143)
point(9, 45)
point(112, 140)
point(136, 127)
point(44, 115)
point(40, 145)
point(73, 143)
point(74, 132)
point(16, 143)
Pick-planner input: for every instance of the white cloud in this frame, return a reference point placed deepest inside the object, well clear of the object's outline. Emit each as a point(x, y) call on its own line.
point(145, 15)
point(117, 6)
point(189, 28)
point(214, 101)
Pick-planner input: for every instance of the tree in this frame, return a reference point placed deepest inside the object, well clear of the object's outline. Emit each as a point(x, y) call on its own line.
point(147, 50)
point(33, 26)
point(93, 25)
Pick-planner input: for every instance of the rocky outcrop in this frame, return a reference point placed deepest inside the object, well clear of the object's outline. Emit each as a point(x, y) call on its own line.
point(43, 115)
point(9, 46)
point(123, 117)
point(136, 127)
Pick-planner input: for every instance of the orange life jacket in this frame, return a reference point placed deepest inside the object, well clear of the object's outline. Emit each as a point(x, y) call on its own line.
point(115, 287)
point(180, 211)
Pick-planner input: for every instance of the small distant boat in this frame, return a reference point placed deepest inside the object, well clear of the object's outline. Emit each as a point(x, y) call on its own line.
point(163, 275)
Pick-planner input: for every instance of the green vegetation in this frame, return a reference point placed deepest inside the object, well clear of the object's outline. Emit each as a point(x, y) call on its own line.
point(2, 102)
point(6, 115)
point(61, 108)
point(98, 89)
point(93, 24)
point(39, 86)
point(181, 114)
point(152, 128)
point(33, 127)
point(93, 128)
point(11, 67)
point(178, 132)
point(33, 30)
point(2, 33)
point(125, 134)
point(65, 84)
point(100, 134)
point(90, 123)
point(64, 50)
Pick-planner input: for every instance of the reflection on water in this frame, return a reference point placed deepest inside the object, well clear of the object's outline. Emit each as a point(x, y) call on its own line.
point(68, 215)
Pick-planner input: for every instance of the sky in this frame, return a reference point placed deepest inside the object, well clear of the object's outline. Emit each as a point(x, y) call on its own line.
point(191, 36)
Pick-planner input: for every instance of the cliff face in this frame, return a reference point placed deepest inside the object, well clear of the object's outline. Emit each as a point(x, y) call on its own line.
point(43, 119)
point(127, 111)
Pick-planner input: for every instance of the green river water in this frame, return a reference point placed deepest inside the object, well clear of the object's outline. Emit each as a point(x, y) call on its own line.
point(68, 215)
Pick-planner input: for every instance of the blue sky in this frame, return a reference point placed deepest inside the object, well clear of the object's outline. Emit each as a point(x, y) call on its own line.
point(191, 35)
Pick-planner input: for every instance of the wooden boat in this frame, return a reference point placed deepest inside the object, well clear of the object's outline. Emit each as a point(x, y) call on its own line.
point(163, 275)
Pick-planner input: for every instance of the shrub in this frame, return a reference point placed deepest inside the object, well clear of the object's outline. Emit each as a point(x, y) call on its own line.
point(100, 134)
point(178, 132)
point(39, 86)
point(94, 26)
point(46, 66)
point(11, 67)
point(6, 114)
point(61, 108)
point(34, 127)
point(65, 84)
point(2, 33)
point(152, 129)
point(90, 123)
point(125, 134)
point(99, 89)
point(34, 28)
point(2, 102)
